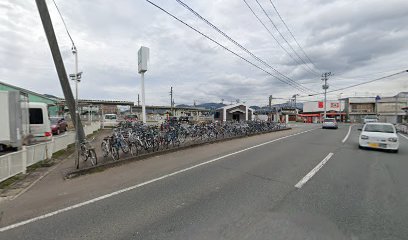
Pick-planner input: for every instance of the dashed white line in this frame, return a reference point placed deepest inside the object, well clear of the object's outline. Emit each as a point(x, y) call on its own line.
point(347, 135)
point(141, 184)
point(402, 135)
point(314, 171)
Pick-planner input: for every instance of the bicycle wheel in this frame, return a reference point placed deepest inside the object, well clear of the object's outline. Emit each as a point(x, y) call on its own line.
point(92, 157)
point(83, 153)
point(124, 146)
point(133, 149)
point(115, 153)
point(105, 149)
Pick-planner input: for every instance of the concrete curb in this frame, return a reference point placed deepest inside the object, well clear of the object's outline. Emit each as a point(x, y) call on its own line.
point(101, 167)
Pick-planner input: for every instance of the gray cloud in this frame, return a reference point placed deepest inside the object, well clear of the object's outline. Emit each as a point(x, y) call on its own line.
point(346, 37)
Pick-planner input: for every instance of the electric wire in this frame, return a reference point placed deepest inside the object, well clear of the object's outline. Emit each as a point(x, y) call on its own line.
point(290, 32)
point(283, 37)
point(239, 45)
point(222, 46)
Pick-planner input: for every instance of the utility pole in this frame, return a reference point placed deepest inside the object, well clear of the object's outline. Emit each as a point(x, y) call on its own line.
point(270, 101)
point(194, 103)
point(171, 99)
point(59, 66)
point(138, 100)
point(325, 86)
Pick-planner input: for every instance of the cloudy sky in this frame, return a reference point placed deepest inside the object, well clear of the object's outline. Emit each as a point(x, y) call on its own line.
point(355, 40)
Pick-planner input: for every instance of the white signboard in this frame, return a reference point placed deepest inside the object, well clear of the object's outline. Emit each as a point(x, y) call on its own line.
point(143, 58)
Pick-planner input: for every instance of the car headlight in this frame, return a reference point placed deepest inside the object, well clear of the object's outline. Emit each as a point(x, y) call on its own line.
point(393, 139)
point(364, 137)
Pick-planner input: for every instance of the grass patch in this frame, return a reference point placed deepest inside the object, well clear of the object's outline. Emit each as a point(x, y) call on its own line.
point(10, 181)
point(40, 164)
point(59, 153)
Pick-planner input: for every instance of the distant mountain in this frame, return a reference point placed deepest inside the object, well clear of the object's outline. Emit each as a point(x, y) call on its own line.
point(183, 105)
point(255, 107)
point(211, 105)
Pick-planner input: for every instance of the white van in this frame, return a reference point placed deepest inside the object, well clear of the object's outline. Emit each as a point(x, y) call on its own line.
point(40, 126)
point(110, 120)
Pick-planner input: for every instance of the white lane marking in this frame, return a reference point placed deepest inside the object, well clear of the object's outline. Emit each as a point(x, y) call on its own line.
point(347, 135)
point(314, 171)
point(403, 136)
point(141, 184)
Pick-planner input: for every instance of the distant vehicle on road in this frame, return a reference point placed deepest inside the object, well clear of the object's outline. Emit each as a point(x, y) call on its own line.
point(110, 120)
point(379, 136)
point(58, 125)
point(370, 118)
point(330, 123)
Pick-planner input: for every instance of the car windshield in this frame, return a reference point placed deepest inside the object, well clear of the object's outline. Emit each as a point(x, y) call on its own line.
point(111, 117)
point(329, 120)
point(379, 128)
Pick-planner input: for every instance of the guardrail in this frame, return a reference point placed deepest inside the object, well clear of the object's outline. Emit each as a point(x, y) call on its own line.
point(14, 163)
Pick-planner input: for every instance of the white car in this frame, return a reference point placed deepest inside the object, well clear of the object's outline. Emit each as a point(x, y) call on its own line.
point(370, 118)
point(330, 123)
point(379, 136)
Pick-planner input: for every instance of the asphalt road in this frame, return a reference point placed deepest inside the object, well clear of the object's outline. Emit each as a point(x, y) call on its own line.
point(251, 194)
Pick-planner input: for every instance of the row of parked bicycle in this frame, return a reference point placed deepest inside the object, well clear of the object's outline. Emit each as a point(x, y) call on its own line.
point(135, 139)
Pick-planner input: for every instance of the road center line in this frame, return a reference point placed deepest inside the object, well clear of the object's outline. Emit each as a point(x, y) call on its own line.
point(142, 184)
point(347, 135)
point(402, 135)
point(314, 171)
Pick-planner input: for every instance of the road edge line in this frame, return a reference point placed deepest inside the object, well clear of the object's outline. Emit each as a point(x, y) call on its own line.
point(403, 136)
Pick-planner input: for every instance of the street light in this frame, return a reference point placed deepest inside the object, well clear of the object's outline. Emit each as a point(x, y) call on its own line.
point(77, 78)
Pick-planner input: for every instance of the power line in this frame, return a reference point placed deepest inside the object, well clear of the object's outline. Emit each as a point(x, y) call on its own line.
point(239, 45)
point(222, 46)
point(65, 25)
point(270, 33)
point(283, 37)
point(359, 84)
point(290, 32)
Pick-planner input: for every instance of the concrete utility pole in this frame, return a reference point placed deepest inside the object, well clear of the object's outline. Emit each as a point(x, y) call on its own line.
point(138, 100)
point(325, 77)
point(270, 101)
point(59, 65)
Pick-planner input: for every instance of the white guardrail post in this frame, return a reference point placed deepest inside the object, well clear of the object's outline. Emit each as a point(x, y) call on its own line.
point(24, 159)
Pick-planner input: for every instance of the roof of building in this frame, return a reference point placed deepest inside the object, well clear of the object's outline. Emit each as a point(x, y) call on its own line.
point(27, 91)
point(235, 105)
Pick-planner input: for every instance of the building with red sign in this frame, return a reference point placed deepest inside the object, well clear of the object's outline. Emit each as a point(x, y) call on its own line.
point(313, 111)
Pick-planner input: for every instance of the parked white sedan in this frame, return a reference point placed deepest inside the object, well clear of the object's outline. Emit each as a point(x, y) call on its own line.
point(380, 136)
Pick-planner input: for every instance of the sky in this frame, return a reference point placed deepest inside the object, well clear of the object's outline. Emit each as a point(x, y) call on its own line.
point(356, 41)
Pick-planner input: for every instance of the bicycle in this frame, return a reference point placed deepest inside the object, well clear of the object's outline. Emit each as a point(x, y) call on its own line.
point(88, 152)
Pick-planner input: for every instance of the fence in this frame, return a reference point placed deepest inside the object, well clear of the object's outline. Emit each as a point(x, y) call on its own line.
point(14, 163)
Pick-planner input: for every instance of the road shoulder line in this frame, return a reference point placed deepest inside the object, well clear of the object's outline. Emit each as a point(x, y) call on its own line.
point(403, 136)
